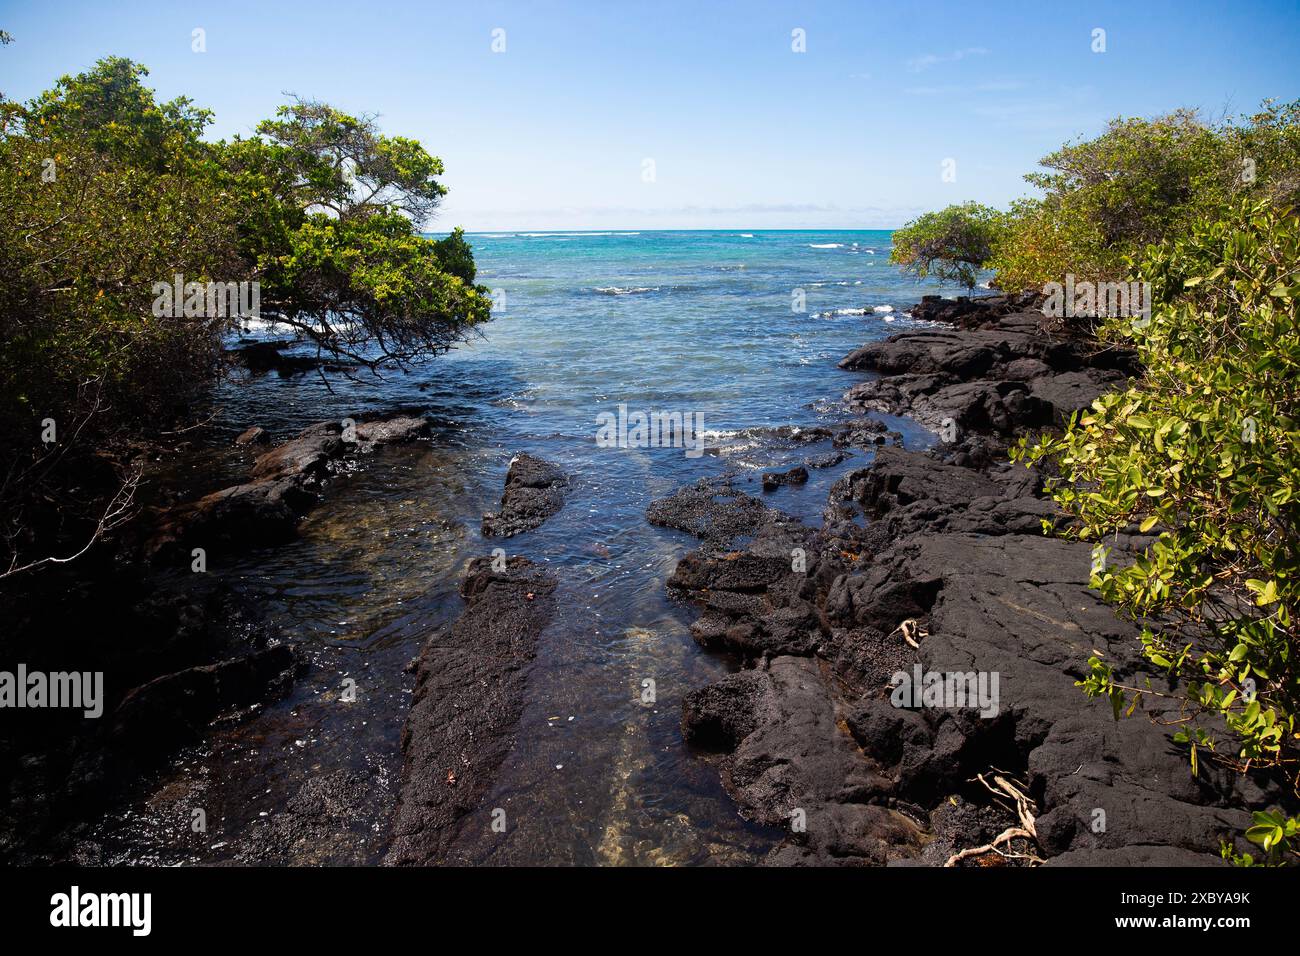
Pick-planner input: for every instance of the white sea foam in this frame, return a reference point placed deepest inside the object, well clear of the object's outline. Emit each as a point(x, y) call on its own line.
point(260, 325)
point(626, 290)
point(825, 245)
point(885, 311)
point(832, 313)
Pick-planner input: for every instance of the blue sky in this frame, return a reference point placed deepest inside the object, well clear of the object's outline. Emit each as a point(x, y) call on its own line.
point(555, 132)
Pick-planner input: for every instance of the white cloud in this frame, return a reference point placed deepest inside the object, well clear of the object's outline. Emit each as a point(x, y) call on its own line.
point(949, 89)
point(927, 60)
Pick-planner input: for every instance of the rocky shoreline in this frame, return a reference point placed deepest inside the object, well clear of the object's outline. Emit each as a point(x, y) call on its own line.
point(928, 561)
point(285, 482)
point(935, 562)
point(182, 651)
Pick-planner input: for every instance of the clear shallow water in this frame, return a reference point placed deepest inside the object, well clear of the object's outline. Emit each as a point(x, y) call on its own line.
point(691, 322)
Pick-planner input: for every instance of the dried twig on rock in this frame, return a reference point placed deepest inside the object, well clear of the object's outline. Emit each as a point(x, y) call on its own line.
point(1024, 811)
point(910, 630)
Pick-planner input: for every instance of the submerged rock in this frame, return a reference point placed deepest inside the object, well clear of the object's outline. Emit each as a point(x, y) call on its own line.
point(469, 687)
point(286, 484)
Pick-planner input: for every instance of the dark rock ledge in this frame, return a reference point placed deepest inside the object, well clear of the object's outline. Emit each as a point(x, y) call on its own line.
point(950, 539)
point(535, 490)
point(469, 695)
point(285, 483)
point(180, 652)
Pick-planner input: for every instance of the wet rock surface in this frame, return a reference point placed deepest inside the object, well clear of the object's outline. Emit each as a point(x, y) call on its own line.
point(797, 475)
point(935, 562)
point(178, 655)
point(317, 825)
point(791, 765)
point(180, 652)
point(864, 433)
point(469, 694)
point(262, 357)
point(713, 510)
point(535, 490)
point(828, 460)
point(287, 480)
point(255, 435)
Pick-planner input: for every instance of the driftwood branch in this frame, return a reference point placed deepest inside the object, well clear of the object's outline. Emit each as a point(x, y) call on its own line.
point(117, 510)
point(910, 630)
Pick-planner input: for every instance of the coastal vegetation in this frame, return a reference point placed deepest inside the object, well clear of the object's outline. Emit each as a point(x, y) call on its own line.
point(1103, 202)
point(109, 197)
point(123, 230)
point(953, 244)
point(1202, 450)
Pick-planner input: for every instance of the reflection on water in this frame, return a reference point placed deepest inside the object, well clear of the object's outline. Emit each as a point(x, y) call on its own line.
point(598, 775)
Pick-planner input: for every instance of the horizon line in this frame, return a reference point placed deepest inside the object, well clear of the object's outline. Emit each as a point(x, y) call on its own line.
point(635, 229)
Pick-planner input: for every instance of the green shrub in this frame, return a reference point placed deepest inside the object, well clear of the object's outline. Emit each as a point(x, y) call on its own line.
point(1204, 449)
point(105, 192)
point(953, 244)
point(1143, 181)
point(1042, 244)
